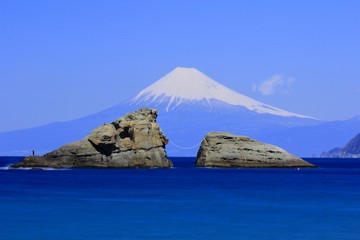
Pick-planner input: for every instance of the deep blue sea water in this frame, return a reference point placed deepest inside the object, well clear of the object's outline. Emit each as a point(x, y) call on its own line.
point(182, 203)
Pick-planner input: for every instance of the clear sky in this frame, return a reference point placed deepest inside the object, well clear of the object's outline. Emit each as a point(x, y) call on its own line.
point(60, 60)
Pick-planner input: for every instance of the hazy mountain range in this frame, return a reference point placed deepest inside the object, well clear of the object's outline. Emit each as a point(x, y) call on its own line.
point(350, 150)
point(190, 104)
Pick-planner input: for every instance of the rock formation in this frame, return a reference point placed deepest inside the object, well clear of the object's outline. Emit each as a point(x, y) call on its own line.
point(221, 149)
point(134, 140)
point(350, 150)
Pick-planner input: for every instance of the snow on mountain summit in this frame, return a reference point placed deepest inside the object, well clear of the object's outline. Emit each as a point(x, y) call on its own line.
point(189, 84)
point(185, 83)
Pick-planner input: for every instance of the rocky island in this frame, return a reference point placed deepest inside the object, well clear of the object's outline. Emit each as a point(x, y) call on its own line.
point(221, 149)
point(132, 141)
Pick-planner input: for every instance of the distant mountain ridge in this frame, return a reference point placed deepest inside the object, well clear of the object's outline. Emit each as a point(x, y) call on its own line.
point(350, 150)
point(190, 105)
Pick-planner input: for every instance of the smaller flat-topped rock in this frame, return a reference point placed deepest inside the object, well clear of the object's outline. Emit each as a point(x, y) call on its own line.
point(132, 141)
point(221, 149)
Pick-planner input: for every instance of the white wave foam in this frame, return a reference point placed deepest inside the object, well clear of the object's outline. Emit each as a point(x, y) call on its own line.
point(35, 168)
point(5, 168)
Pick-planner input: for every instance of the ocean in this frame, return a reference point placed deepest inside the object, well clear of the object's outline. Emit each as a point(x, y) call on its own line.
point(181, 203)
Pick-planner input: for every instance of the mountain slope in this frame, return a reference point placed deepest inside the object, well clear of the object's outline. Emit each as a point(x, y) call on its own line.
point(186, 85)
point(190, 105)
point(350, 150)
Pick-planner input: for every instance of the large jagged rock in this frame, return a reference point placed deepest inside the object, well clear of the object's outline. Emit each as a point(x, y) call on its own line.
point(134, 140)
point(221, 149)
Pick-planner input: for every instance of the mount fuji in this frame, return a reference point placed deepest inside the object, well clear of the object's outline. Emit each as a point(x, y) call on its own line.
point(190, 86)
point(190, 104)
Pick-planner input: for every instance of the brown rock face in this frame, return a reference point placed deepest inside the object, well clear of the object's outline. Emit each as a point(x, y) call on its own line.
point(220, 149)
point(134, 140)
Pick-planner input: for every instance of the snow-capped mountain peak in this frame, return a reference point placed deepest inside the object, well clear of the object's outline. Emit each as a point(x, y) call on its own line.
point(189, 84)
point(184, 83)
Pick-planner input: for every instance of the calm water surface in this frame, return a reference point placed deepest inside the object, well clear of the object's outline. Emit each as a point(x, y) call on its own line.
point(182, 203)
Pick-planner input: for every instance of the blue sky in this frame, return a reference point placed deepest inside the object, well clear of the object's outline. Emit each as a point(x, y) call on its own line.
point(60, 60)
